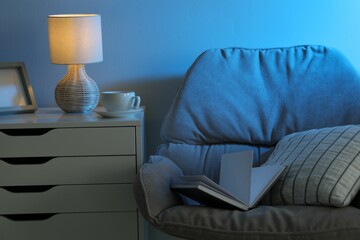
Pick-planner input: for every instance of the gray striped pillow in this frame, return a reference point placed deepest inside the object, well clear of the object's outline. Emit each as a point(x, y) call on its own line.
point(323, 167)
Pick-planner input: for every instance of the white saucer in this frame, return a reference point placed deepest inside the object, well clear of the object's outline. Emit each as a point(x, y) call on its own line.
point(117, 114)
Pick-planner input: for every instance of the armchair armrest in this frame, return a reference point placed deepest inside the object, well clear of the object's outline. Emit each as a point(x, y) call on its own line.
point(152, 187)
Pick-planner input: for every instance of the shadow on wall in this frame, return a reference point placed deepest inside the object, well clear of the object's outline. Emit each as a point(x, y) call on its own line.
point(157, 96)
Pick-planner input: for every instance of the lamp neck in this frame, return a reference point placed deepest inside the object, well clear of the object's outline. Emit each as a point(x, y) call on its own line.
point(76, 72)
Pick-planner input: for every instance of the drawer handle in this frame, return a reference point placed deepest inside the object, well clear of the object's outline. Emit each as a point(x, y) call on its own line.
point(29, 217)
point(27, 161)
point(28, 189)
point(26, 132)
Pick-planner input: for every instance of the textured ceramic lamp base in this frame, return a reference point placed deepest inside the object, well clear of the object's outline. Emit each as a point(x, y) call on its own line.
point(77, 92)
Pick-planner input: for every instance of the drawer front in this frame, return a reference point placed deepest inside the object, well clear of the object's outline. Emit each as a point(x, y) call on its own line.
point(67, 199)
point(77, 226)
point(67, 170)
point(69, 142)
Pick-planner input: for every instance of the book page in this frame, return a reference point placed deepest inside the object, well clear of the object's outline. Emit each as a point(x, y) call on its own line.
point(262, 178)
point(205, 191)
point(235, 174)
point(193, 180)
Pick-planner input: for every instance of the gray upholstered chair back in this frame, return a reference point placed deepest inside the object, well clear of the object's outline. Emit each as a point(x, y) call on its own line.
point(233, 99)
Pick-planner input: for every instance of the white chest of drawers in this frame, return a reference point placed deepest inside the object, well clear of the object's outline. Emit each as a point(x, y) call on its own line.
point(69, 176)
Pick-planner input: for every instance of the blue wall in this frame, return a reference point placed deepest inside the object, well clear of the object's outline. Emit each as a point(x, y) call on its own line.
point(149, 44)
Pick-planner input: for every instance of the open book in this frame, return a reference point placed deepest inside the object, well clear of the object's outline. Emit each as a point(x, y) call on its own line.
point(241, 186)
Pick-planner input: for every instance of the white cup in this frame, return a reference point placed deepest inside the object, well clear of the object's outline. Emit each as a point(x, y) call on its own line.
point(120, 100)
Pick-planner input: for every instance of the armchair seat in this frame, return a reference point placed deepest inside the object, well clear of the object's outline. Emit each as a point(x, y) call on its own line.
point(167, 212)
point(262, 223)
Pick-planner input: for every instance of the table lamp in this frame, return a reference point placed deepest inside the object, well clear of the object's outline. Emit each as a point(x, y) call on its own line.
point(75, 40)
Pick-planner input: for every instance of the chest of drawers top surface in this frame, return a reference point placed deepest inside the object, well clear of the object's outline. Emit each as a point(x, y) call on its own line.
point(51, 133)
point(55, 118)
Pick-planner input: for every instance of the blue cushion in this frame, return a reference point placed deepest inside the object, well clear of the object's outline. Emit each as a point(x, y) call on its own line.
point(257, 96)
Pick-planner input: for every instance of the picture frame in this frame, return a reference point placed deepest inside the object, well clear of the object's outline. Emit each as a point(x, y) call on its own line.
point(17, 95)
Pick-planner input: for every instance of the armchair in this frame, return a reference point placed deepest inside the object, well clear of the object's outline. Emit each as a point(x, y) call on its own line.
point(239, 99)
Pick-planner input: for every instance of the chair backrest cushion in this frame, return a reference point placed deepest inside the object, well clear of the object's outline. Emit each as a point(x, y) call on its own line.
point(257, 96)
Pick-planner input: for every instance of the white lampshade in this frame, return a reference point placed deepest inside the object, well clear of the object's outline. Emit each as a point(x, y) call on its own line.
point(75, 38)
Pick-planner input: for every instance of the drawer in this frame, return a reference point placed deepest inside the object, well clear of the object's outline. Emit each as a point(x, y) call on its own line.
point(67, 170)
point(67, 199)
point(67, 142)
point(74, 226)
